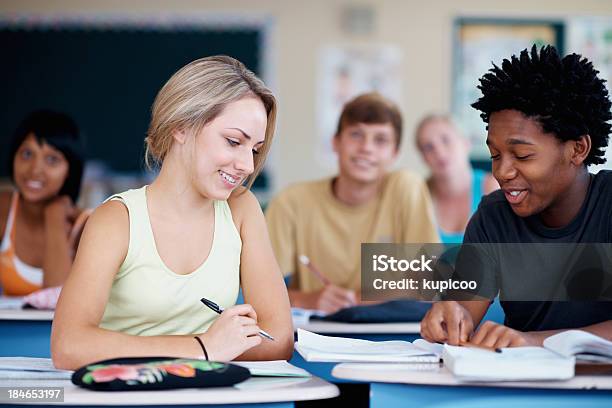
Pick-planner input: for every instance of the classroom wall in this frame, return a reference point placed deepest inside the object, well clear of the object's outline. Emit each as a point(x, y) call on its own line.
point(421, 29)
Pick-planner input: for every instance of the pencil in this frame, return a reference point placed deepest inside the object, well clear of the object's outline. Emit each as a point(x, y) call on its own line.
point(304, 260)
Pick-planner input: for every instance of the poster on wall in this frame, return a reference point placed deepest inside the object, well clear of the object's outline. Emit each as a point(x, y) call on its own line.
point(345, 72)
point(478, 44)
point(591, 37)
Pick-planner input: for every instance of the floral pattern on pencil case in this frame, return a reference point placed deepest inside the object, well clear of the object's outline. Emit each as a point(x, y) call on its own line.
point(146, 373)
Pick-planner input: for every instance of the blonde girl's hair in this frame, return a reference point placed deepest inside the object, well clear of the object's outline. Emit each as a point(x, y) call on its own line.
point(195, 95)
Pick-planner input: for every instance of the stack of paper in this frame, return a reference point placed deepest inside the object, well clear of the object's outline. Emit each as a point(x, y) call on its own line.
point(27, 368)
point(315, 347)
point(511, 364)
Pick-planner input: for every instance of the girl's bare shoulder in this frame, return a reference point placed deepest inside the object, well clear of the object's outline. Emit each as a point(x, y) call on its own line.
point(243, 204)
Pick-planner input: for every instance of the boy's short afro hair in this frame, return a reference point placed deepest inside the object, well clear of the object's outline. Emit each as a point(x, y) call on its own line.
point(563, 94)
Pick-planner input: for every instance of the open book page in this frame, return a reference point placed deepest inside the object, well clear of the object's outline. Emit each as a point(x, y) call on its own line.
point(315, 347)
point(434, 348)
point(276, 368)
point(356, 346)
point(574, 342)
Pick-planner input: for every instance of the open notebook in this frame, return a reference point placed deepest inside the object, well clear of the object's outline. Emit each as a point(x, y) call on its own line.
point(585, 346)
point(315, 347)
point(554, 361)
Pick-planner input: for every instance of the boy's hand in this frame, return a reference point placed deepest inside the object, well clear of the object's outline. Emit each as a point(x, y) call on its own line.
point(496, 335)
point(447, 322)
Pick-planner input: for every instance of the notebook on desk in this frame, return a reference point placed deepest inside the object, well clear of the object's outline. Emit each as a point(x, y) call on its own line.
point(554, 361)
point(30, 368)
point(275, 368)
point(318, 348)
point(512, 364)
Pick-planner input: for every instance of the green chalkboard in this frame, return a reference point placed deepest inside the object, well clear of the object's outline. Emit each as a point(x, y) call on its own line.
point(106, 78)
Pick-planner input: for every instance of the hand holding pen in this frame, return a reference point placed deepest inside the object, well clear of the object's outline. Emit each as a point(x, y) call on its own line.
point(219, 310)
point(331, 298)
point(233, 333)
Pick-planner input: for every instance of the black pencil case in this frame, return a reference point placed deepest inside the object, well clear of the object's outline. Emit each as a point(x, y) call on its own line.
point(157, 373)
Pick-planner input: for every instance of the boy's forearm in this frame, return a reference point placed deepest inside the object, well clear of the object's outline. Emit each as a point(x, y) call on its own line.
point(603, 329)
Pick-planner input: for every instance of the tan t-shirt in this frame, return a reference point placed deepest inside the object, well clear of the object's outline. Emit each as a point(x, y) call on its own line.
point(307, 219)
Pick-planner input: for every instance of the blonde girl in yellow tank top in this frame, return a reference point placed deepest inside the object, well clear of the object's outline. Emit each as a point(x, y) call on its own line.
point(147, 256)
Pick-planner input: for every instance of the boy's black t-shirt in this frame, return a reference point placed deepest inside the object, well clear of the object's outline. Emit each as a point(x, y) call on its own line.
point(495, 222)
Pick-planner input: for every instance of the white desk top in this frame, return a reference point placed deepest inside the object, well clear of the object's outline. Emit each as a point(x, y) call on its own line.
point(437, 374)
point(359, 328)
point(254, 390)
point(26, 314)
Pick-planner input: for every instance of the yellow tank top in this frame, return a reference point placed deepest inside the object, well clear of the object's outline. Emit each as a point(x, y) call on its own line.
point(148, 299)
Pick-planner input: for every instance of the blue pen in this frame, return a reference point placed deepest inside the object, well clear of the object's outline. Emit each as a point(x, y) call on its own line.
point(218, 309)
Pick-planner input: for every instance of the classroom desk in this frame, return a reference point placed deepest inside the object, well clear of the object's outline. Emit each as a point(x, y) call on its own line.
point(25, 333)
point(251, 393)
point(432, 385)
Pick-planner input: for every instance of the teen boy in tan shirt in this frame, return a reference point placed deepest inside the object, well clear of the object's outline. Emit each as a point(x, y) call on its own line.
point(327, 220)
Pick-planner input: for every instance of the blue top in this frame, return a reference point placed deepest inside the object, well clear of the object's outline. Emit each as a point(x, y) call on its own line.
point(477, 180)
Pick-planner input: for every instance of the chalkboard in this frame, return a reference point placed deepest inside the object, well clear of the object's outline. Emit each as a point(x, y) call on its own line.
point(106, 78)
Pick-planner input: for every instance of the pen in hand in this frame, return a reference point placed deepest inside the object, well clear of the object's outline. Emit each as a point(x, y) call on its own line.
point(218, 309)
